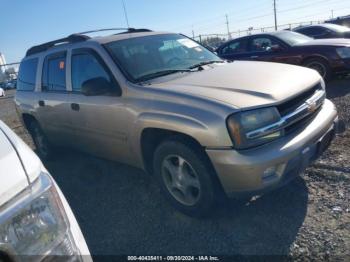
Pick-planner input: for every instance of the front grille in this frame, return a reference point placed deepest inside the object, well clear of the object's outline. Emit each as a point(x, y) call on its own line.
point(294, 103)
point(291, 105)
point(295, 113)
point(302, 123)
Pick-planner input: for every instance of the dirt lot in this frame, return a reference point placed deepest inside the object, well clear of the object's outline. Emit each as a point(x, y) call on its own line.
point(121, 210)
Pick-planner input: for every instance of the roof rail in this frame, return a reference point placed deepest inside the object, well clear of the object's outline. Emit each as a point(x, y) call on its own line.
point(79, 37)
point(127, 30)
point(74, 38)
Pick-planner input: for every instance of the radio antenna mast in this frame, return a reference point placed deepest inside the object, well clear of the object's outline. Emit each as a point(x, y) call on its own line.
point(126, 14)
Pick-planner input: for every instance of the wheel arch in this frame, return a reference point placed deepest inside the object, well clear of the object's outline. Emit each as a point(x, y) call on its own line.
point(152, 137)
point(27, 119)
point(314, 56)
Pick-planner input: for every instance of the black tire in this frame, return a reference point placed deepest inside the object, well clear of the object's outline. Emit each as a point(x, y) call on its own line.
point(43, 147)
point(208, 192)
point(321, 66)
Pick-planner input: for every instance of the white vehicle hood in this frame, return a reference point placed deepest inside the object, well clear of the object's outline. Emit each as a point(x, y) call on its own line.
point(19, 166)
point(244, 84)
point(12, 176)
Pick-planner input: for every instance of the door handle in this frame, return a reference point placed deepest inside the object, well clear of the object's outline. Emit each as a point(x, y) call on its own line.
point(41, 103)
point(254, 56)
point(75, 106)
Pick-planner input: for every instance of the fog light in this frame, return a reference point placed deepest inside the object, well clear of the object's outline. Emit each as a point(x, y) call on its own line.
point(273, 172)
point(269, 172)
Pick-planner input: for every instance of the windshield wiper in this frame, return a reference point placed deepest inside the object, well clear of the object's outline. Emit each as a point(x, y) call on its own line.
point(161, 73)
point(206, 63)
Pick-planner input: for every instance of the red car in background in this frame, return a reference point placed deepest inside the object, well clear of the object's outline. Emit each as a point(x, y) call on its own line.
point(327, 56)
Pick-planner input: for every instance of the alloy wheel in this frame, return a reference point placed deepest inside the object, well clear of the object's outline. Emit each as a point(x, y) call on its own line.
point(181, 180)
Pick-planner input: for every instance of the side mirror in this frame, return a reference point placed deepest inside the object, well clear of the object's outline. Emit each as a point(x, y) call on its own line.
point(96, 86)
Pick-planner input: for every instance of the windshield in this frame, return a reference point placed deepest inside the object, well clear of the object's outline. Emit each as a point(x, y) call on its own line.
point(150, 55)
point(292, 38)
point(337, 28)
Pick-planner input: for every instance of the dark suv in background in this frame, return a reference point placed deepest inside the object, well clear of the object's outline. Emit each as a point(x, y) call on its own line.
point(328, 56)
point(323, 31)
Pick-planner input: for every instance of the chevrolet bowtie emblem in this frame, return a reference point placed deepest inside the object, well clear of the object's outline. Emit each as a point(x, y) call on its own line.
point(312, 106)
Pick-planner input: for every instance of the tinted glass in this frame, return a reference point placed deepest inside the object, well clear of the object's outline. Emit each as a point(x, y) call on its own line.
point(27, 75)
point(85, 66)
point(54, 73)
point(313, 31)
point(140, 57)
point(233, 48)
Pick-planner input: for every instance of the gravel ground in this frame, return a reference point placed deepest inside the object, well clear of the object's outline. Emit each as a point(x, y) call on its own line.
point(121, 210)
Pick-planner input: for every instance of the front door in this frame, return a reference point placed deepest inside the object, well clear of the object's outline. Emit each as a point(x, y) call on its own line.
point(99, 121)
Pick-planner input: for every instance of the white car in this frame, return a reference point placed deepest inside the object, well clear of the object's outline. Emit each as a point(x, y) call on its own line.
point(36, 221)
point(2, 92)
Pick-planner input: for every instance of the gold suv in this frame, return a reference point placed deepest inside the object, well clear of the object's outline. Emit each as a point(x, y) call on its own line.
point(164, 103)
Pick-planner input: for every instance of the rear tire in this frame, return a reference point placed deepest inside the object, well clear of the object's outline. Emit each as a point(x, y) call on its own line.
point(43, 147)
point(321, 66)
point(185, 177)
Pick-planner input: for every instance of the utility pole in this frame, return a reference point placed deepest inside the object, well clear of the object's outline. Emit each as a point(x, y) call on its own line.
point(126, 14)
point(192, 32)
point(332, 13)
point(228, 28)
point(275, 12)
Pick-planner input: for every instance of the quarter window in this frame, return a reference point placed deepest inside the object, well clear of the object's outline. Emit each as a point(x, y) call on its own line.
point(54, 73)
point(86, 66)
point(27, 75)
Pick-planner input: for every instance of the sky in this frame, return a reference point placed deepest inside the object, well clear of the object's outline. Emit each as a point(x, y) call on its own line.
point(25, 23)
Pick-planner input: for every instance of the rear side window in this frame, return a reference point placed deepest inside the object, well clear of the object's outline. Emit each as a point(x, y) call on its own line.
point(27, 75)
point(234, 48)
point(54, 73)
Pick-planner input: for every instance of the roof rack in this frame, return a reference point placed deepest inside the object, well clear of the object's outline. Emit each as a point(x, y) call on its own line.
point(79, 37)
point(74, 38)
point(127, 30)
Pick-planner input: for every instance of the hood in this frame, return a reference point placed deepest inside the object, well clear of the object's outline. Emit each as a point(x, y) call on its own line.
point(31, 162)
point(12, 176)
point(244, 84)
point(327, 42)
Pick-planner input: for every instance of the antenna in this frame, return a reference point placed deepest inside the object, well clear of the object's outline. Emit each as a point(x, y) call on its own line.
point(126, 14)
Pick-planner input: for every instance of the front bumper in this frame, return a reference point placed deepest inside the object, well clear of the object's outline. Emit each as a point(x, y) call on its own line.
point(265, 168)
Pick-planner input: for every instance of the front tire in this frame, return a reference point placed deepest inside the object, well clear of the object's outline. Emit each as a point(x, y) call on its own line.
point(42, 145)
point(185, 177)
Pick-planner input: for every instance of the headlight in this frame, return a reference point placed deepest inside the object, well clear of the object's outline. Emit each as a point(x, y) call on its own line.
point(36, 226)
point(343, 52)
point(240, 124)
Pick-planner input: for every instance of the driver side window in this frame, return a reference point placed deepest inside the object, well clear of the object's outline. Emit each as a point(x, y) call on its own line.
point(262, 44)
point(86, 66)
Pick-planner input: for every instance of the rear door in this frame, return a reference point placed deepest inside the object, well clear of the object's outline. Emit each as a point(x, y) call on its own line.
point(99, 121)
point(54, 105)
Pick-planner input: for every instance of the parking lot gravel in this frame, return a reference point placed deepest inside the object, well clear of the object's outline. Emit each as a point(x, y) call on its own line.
point(121, 211)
